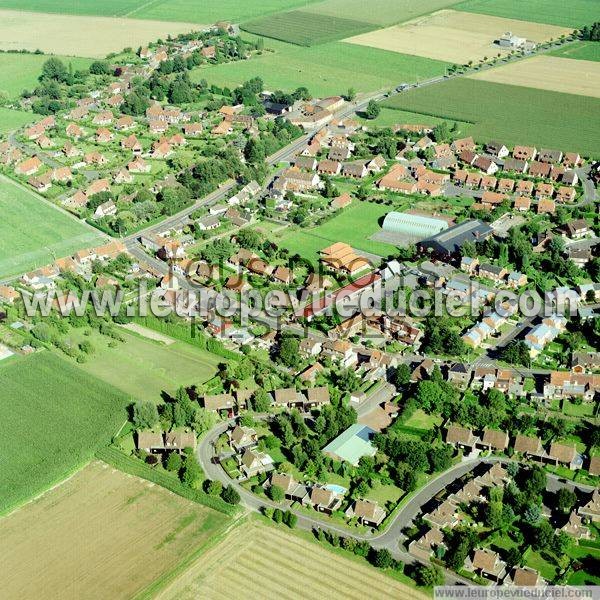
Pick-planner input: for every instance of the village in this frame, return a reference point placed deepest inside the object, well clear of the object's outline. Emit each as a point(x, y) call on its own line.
point(468, 445)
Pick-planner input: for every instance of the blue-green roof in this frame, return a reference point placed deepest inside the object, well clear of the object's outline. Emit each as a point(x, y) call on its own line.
point(421, 225)
point(352, 444)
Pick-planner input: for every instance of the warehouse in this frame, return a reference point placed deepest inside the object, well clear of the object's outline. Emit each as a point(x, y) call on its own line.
point(404, 228)
point(451, 240)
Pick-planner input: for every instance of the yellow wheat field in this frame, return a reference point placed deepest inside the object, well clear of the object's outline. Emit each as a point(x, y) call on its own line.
point(93, 37)
point(581, 77)
point(454, 36)
point(101, 534)
point(261, 562)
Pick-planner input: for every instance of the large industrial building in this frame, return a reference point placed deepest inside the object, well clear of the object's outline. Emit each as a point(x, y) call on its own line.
point(451, 240)
point(413, 225)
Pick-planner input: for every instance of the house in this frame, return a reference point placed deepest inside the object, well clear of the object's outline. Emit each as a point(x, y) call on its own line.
point(494, 439)
point(138, 165)
point(29, 166)
point(491, 199)
point(316, 397)
point(576, 528)
point(309, 347)
point(522, 203)
point(591, 509)
point(208, 52)
point(309, 375)
point(124, 123)
point(355, 170)
point(179, 440)
point(593, 467)
point(488, 182)
point(443, 516)
point(546, 155)
point(565, 194)
point(515, 166)
point(106, 209)
point(585, 361)
point(544, 190)
point(367, 513)
point(254, 462)
point(241, 437)
point(288, 398)
point(8, 294)
point(546, 206)
point(292, 490)
point(496, 149)
point(219, 402)
point(462, 437)
point(341, 257)
point(572, 160)
point(506, 186)
point(463, 144)
point(425, 546)
point(104, 135)
point(97, 186)
point(95, 158)
point(492, 272)
point(485, 164)
point(329, 167)
point(74, 131)
point(42, 183)
point(132, 143)
point(524, 153)
point(530, 447)
point(341, 351)
point(576, 229)
point(487, 563)
point(539, 169)
point(161, 150)
point(324, 499)
point(459, 373)
point(516, 280)
point(150, 442)
point(565, 454)
point(524, 577)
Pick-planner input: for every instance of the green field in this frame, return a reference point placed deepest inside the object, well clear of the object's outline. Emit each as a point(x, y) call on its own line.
point(13, 119)
point(579, 51)
point(19, 71)
point(54, 417)
point(353, 225)
point(194, 11)
point(326, 69)
point(33, 233)
point(573, 13)
point(143, 368)
point(391, 116)
point(514, 114)
point(306, 28)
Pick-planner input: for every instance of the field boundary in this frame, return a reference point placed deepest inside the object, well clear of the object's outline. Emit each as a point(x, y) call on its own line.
point(119, 460)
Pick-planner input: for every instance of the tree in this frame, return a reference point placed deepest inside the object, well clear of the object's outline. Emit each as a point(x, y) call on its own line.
point(383, 558)
point(543, 536)
point(373, 109)
point(230, 495)
point(276, 493)
point(145, 414)
point(288, 351)
point(290, 519)
point(350, 94)
point(441, 132)
point(54, 69)
point(516, 353)
point(428, 576)
point(173, 462)
point(403, 374)
point(565, 499)
point(192, 473)
point(213, 487)
point(100, 67)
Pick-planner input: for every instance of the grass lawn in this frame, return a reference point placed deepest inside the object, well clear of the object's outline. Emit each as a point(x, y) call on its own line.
point(13, 119)
point(325, 70)
point(578, 13)
point(33, 233)
point(585, 409)
point(353, 226)
point(54, 418)
point(422, 420)
point(384, 494)
point(144, 368)
point(21, 71)
point(515, 114)
point(536, 561)
point(579, 51)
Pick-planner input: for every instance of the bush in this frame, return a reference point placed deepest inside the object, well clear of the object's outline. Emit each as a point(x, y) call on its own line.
point(230, 495)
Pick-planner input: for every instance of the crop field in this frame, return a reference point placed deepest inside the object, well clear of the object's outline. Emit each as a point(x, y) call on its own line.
point(206, 11)
point(34, 233)
point(13, 119)
point(389, 116)
point(54, 418)
point(100, 534)
point(378, 12)
point(514, 114)
point(304, 28)
point(579, 51)
point(260, 561)
point(573, 14)
point(354, 225)
point(143, 368)
point(455, 36)
point(93, 37)
point(581, 77)
point(326, 69)
point(19, 72)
